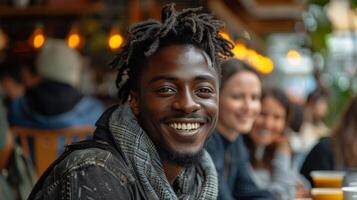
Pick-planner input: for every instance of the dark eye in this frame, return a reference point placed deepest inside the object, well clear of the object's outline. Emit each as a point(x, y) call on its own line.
point(166, 91)
point(256, 97)
point(204, 92)
point(237, 96)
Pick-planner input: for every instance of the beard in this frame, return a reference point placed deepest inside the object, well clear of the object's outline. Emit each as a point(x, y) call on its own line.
point(180, 159)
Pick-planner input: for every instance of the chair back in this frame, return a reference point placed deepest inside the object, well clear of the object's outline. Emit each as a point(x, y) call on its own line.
point(48, 143)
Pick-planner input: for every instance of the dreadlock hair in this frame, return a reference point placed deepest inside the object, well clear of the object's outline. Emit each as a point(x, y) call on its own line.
point(145, 38)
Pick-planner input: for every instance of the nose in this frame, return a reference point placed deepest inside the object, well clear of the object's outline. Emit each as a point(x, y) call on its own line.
point(268, 122)
point(186, 103)
point(248, 104)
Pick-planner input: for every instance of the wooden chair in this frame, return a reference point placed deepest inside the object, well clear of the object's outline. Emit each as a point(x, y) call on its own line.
point(46, 142)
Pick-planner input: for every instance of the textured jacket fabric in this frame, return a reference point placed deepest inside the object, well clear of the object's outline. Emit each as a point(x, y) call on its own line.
point(91, 173)
point(232, 164)
point(95, 173)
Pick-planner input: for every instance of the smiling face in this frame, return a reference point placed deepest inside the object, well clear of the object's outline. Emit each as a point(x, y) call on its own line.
point(177, 101)
point(271, 122)
point(239, 103)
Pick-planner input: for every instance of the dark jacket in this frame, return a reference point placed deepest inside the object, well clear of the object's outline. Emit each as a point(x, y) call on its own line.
point(319, 158)
point(232, 160)
point(91, 173)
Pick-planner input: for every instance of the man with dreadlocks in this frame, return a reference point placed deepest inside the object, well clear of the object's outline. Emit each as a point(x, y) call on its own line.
point(151, 145)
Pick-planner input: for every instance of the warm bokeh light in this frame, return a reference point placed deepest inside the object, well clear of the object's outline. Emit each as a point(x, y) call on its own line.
point(239, 51)
point(226, 36)
point(3, 40)
point(293, 57)
point(266, 65)
point(73, 40)
point(38, 41)
point(115, 41)
point(261, 63)
point(38, 38)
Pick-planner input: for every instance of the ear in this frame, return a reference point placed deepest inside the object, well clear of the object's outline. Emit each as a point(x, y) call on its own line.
point(134, 102)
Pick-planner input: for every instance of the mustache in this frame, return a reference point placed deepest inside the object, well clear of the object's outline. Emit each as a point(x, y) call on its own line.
point(187, 116)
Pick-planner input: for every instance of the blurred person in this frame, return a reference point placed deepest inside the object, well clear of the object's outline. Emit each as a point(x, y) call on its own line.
point(17, 175)
point(313, 127)
point(339, 151)
point(239, 105)
point(268, 146)
point(10, 79)
point(53, 101)
point(151, 145)
point(6, 142)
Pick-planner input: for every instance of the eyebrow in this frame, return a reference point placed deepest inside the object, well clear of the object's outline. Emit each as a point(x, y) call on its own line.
point(173, 78)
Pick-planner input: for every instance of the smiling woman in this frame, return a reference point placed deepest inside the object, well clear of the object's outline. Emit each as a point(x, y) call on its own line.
point(238, 108)
point(270, 154)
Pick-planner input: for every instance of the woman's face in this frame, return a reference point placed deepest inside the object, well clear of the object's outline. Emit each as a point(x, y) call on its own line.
point(270, 124)
point(239, 103)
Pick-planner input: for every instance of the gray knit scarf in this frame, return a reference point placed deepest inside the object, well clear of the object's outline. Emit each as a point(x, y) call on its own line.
point(145, 161)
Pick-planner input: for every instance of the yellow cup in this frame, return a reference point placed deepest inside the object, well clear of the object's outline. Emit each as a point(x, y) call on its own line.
point(327, 179)
point(326, 194)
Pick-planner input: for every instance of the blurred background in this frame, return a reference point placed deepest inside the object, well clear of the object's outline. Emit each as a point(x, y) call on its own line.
point(298, 45)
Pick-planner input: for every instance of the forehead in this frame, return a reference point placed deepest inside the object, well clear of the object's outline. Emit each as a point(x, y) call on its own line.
point(180, 60)
point(246, 80)
point(272, 105)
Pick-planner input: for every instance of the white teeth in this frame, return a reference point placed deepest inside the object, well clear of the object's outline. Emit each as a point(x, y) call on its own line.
point(185, 126)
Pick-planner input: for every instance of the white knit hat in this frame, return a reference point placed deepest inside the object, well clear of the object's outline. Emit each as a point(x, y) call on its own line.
point(57, 62)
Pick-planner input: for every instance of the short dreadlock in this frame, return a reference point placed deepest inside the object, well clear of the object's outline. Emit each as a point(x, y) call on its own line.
point(145, 38)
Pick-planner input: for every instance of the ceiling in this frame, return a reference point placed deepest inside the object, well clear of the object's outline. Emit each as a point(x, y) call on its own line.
point(261, 17)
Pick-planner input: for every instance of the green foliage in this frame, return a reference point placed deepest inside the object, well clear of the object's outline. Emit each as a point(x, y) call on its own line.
point(318, 2)
point(338, 101)
point(353, 3)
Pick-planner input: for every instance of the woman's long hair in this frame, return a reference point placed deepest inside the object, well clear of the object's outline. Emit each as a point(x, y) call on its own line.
point(269, 151)
point(345, 137)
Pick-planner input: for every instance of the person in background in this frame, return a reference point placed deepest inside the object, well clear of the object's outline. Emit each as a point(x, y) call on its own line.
point(54, 101)
point(10, 79)
point(17, 175)
point(339, 151)
point(151, 146)
point(6, 142)
point(268, 146)
point(313, 127)
point(239, 106)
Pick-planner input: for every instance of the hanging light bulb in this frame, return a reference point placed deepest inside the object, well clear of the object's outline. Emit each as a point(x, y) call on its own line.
point(74, 38)
point(293, 57)
point(115, 40)
point(38, 38)
point(3, 40)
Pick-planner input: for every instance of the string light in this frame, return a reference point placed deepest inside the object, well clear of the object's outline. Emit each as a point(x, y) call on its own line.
point(261, 63)
point(226, 36)
point(74, 39)
point(115, 40)
point(38, 38)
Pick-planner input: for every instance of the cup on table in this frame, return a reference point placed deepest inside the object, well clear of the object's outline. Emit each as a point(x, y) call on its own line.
point(326, 194)
point(349, 193)
point(327, 179)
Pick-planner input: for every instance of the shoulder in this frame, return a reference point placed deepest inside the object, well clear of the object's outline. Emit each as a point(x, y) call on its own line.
point(324, 144)
point(214, 144)
point(94, 172)
point(94, 157)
